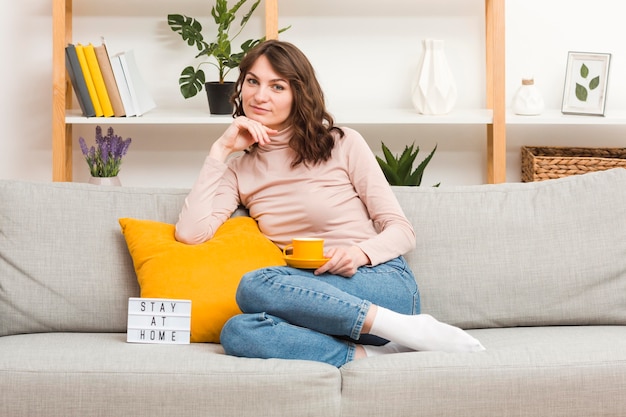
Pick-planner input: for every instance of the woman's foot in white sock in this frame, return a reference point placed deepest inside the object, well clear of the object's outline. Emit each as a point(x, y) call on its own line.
point(422, 332)
point(390, 347)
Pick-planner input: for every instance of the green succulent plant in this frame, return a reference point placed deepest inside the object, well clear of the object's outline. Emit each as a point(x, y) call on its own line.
point(399, 169)
point(192, 78)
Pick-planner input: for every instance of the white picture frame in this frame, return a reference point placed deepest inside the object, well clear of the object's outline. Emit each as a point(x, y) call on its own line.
point(586, 81)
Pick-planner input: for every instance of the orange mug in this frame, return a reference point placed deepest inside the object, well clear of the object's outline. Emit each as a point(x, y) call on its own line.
point(305, 248)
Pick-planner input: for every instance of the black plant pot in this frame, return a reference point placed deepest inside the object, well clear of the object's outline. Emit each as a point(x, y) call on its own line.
point(219, 96)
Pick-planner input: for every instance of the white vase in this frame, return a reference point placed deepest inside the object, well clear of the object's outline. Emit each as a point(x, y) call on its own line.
point(434, 89)
point(105, 181)
point(528, 100)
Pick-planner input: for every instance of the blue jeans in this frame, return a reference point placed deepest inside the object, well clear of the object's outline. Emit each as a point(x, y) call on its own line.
point(291, 313)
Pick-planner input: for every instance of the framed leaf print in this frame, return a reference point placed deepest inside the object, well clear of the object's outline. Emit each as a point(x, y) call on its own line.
point(586, 81)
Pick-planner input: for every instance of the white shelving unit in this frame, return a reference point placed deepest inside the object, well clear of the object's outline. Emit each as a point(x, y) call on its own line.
point(492, 117)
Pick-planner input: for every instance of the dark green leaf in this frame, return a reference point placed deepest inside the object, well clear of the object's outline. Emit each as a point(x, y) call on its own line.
point(191, 82)
point(391, 160)
point(419, 171)
point(236, 7)
point(390, 174)
point(405, 163)
point(594, 83)
point(584, 71)
point(581, 92)
point(188, 28)
point(247, 45)
point(219, 10)
point(247, 16)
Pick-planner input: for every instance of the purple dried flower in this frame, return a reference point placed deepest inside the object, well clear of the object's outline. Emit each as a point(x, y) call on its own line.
point(114, 147)
point(105, 159)
point(126, 145)
point(105, 152)
point(83, 146)
point(99, 138)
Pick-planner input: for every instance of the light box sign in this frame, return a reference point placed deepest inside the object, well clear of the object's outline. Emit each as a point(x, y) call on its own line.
point(158, 320)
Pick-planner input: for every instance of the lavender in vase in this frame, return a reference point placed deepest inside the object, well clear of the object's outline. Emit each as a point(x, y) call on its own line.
point(105, 158)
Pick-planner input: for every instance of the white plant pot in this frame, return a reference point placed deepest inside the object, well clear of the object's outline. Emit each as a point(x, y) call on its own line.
point(105, 181)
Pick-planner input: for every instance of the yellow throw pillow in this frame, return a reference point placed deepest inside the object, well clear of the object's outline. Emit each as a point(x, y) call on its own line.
point(207, 274)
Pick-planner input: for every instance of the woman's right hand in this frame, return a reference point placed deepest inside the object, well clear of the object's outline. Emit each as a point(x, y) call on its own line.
point(241, 134)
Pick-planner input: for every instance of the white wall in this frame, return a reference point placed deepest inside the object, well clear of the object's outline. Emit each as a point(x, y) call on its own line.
point(539, 36)
point(365, 55)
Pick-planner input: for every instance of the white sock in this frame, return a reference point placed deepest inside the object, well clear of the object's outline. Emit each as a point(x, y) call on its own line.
point(422, 332)
point(391, 347)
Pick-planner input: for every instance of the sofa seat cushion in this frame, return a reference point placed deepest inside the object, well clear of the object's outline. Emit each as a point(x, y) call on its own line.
point(522, 254)
point(569, 371)
point(63, 374)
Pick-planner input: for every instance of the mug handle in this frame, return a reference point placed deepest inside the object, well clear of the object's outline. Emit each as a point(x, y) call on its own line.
point(286, 248)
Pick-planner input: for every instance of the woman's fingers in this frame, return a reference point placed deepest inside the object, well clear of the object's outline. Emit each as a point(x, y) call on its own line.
point(258, 132)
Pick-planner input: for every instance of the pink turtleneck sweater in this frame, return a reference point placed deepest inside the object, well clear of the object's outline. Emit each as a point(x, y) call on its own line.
point(345, 200)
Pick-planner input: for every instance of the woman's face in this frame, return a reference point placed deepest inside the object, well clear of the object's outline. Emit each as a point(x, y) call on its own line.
point(266, 96)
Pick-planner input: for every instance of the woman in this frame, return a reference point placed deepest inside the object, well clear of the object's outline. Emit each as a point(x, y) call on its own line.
point(300, 175)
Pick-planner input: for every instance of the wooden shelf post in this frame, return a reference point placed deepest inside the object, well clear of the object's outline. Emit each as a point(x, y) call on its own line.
point(61, 91)
point(271, 19)
point(496, 132)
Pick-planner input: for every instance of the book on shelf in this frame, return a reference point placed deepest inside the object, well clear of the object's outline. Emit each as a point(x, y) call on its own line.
point(108, 85)
point(109, 79)
point(98, 80)
point(139, 93)
point(80, 53)
point(122, 86)
point(77, 79)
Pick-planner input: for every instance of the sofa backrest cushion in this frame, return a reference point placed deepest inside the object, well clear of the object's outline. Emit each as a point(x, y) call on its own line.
point(64, 264)
point(545, 253)
point(522, 254)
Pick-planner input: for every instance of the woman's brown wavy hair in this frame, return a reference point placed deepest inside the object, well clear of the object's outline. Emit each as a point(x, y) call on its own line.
point(312, 125)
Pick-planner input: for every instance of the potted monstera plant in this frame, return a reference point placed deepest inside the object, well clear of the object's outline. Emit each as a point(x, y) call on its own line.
point(217, 52)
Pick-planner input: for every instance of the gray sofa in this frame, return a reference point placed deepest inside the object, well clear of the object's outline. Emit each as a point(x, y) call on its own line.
point(537, 272)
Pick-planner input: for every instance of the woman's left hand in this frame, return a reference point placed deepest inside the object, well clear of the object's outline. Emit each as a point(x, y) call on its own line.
point(343, 261)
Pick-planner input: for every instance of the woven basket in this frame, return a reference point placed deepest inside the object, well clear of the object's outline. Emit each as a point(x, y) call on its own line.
point(544, 163)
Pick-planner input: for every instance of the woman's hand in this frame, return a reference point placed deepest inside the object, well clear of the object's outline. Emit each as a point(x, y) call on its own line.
point(241, 134)
point(343, 261)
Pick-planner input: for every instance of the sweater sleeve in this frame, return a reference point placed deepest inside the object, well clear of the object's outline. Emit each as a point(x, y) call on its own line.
point(210, 202)
point(395, 232)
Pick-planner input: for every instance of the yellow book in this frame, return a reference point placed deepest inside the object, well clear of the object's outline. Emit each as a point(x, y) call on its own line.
point(82, 60)
point(98, 80)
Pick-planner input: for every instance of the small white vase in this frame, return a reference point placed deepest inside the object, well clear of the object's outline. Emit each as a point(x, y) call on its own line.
point(528, 100)
point(105, 181)
point(434, 90)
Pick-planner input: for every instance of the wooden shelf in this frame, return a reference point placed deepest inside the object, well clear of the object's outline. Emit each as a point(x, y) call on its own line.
point(411, 117)
point(153, 117)
point(493, 117)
